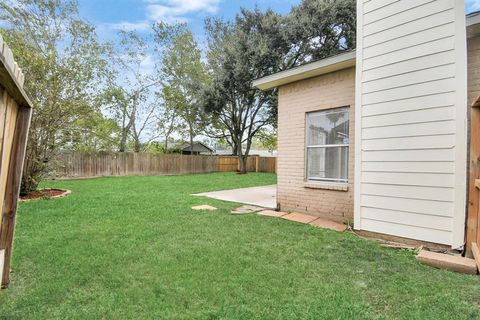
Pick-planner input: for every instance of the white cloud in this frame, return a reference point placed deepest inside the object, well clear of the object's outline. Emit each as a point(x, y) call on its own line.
point(147, 65)
point(132, 26)
point(177, 10)
point(169, 11)
point(472, 5)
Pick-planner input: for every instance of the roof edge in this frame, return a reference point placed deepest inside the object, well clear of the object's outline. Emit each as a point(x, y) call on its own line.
point(306, 71)
point(473, 18)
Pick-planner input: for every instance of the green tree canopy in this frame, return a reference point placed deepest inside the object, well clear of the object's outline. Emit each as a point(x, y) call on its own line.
point(183, 75)
point(63, 66)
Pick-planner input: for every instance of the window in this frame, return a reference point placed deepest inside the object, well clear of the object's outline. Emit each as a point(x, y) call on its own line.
point(327, 145)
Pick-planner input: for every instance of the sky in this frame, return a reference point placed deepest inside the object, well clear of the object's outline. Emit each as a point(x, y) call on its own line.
point(112, 15)
point(472, 5)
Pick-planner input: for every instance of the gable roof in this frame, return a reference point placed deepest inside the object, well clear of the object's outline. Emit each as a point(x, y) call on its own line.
point(197, 147)
point(308, 70)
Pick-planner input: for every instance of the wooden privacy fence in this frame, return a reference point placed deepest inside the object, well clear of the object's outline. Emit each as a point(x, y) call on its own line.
point(15, 114)
point(82, 165)
point(473, 214)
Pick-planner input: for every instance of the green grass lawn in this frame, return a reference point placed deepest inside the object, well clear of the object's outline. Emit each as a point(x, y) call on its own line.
point(131, 248)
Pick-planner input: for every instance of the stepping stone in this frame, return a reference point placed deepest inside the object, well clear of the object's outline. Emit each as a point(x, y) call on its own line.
point(449, 262)
point(246, 209)
point(299, 217)
point(204, 207)
point(328, 224)
point(271, 213)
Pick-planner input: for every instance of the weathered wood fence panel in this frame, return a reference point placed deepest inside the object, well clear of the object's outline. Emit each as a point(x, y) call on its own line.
point(15, 115)
point(267, 164)
point(227, 163)
point(81, 165)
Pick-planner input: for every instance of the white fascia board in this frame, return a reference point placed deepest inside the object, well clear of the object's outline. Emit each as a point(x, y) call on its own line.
point(473, 25)
point(309, 70)
point(473, 19)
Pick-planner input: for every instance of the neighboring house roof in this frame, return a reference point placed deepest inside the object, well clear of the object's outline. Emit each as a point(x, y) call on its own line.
point(336, 63)
point(197, 147)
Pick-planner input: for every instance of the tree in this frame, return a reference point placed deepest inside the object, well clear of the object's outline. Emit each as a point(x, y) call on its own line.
point(168, 123)
point(257, 44)
point(129, 94)
point(239, 53)
point(62, 62)
point(183, 76)
point(92, 134)
point(267, 139)
point(316, 29)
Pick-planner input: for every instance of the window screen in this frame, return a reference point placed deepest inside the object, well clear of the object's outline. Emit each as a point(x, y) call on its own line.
point(327, 145)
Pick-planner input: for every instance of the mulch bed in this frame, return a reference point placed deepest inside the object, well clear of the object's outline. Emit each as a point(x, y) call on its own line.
point(45, 194)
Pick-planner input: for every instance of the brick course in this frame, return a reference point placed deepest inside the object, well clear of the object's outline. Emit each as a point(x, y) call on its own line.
point(328, 91)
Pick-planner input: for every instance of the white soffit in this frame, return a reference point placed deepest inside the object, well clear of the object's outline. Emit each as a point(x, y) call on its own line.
point(309, 70)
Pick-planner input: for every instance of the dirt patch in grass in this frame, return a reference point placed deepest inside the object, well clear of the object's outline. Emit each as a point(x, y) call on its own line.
point(45, 194)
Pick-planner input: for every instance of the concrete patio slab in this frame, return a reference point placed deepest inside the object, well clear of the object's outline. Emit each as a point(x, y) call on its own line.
point(204, 207)
point(328, 224)
point(271, 213)
point(265, 196)
point(299, 217)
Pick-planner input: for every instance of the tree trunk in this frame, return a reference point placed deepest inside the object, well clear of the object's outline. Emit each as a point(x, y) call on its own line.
point(192, 166)
point(241, 160)
point(247, 152)
point(123, 142)
point(234, 149)
point(137, 146)
point(34, 169)
point(166, 145)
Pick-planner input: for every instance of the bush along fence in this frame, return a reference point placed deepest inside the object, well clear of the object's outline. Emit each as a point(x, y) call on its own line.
point(85, 165)
point(15, 115)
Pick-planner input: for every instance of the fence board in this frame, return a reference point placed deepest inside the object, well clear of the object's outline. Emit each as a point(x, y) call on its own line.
point(15, 113)
point(81, 165)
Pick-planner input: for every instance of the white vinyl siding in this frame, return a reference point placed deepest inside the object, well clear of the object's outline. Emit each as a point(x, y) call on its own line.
point(410, 160)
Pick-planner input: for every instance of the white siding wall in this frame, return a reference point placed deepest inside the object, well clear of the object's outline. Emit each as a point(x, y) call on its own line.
point(410, 160)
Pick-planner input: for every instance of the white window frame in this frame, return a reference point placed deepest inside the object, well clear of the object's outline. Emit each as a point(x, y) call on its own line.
point(325, 146)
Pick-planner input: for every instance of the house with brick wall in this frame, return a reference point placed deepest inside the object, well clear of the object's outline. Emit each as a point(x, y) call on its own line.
point(380, 137)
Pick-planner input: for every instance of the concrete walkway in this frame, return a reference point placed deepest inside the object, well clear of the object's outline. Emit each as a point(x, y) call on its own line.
point(265, 196)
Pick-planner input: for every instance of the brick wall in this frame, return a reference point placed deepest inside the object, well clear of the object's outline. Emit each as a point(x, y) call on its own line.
point(328, 91)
